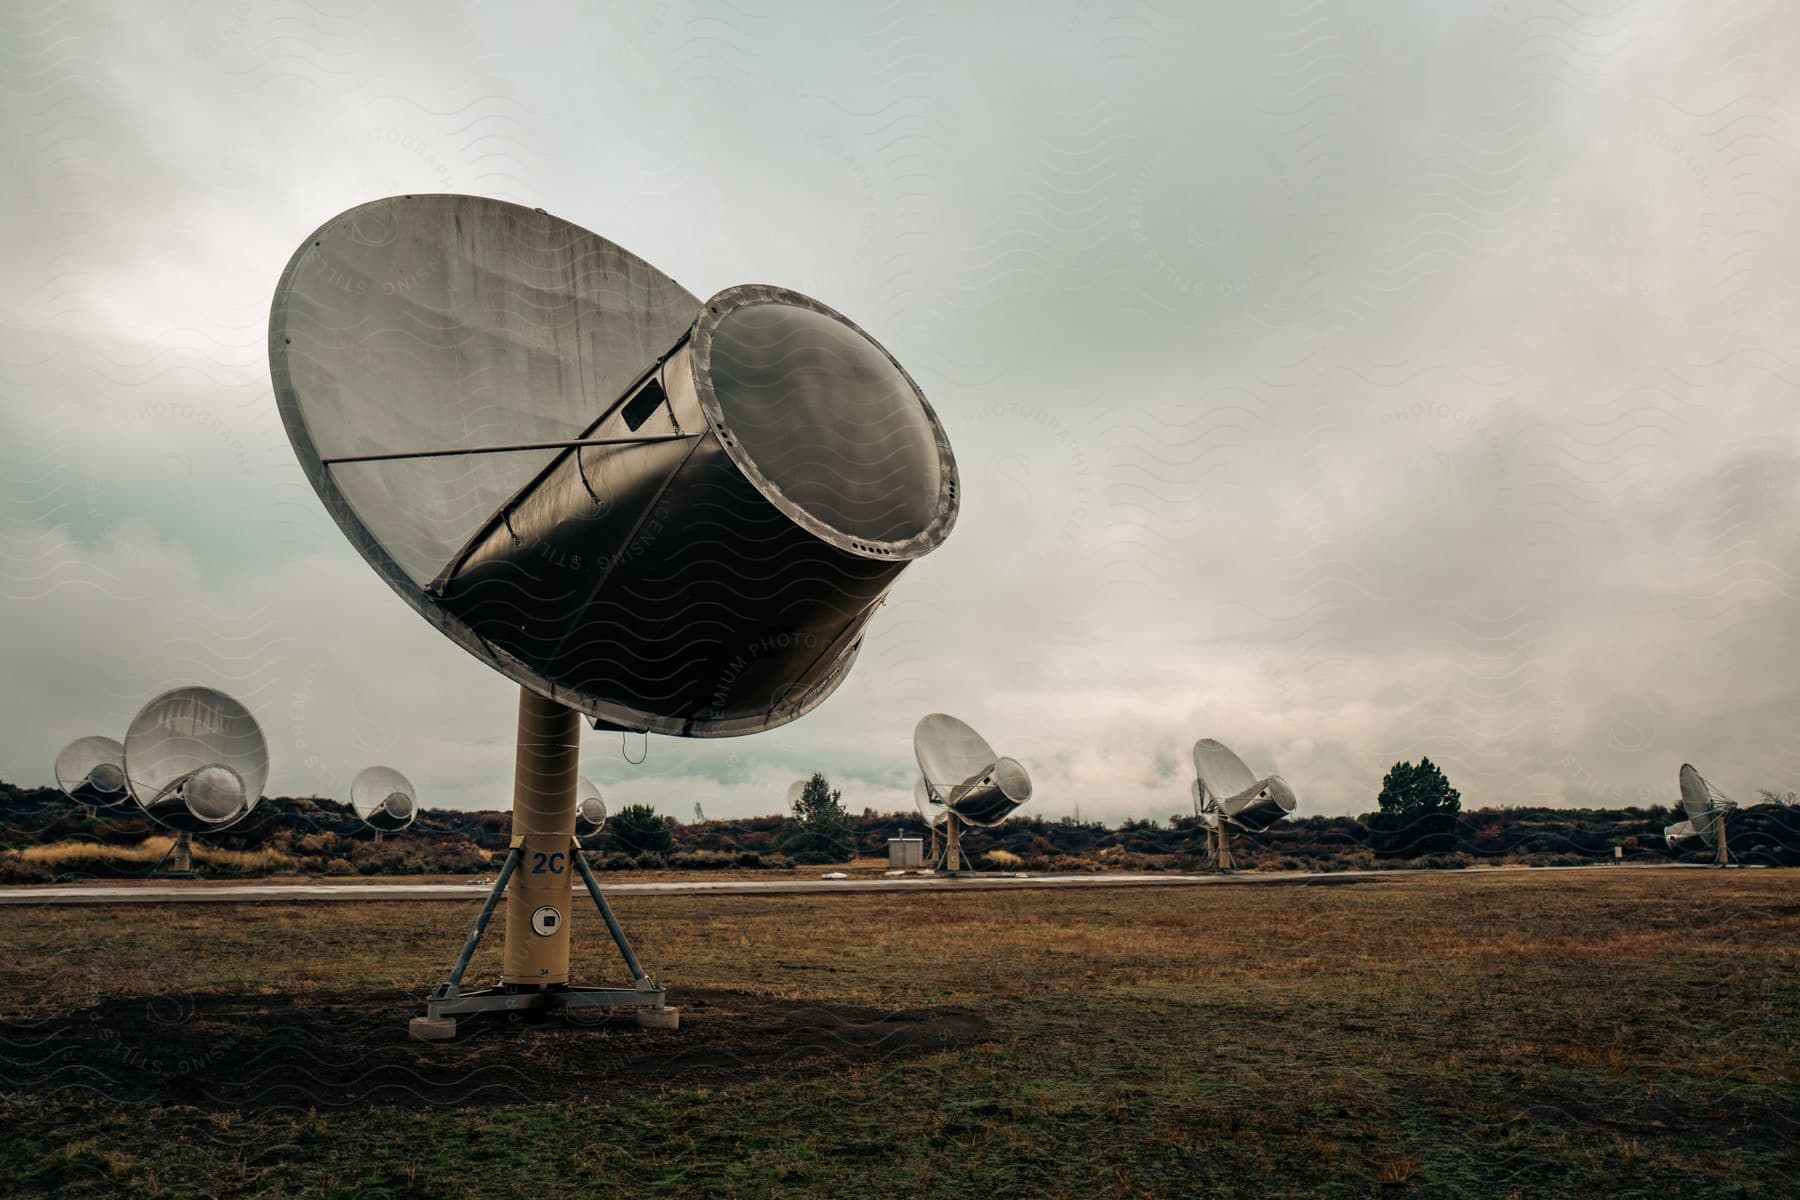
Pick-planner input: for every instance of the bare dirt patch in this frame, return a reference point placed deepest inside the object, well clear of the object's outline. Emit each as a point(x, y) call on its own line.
point(340, 1050)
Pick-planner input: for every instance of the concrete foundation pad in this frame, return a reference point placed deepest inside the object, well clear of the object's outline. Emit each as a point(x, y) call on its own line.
point(431, 1029)
point(659, 1018)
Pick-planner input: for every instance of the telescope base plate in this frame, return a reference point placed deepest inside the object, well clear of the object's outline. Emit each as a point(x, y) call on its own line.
point(446, 1012)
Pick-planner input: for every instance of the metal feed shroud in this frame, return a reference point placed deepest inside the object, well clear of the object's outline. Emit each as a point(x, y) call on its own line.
point(91, 771)
point(672, 517)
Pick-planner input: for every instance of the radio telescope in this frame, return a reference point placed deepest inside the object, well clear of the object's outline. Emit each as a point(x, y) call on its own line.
point(195, 761)
point(672, 516)
point(1707, 811)
point(1228, 796)
point(384, 799)
point(962, 782)
point(91, 772)
point(590, 810)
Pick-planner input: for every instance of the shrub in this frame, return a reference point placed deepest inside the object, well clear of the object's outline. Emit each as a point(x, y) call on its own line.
point(701, 860)
point(1442, 861)
point(317, 843)
point(16, 868)
point(1072, 862)
point(649, 862)
point(749, 858)
point(636, 829)
point(339, 866)
point(1003, 860)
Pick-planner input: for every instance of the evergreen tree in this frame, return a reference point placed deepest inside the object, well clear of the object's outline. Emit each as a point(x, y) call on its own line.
point(636, 829)
point(1418, 812)
point(1410, 790)
point(825, 834)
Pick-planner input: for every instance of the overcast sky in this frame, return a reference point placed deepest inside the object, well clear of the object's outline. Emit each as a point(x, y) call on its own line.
point(1344, 382)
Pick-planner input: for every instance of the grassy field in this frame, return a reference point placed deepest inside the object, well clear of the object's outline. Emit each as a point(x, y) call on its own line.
point(1512, 1034)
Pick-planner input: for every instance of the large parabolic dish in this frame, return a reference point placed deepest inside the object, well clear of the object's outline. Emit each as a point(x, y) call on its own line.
point(959, 766)
point(672, 516)
point(195, 759)
point(1228, 787)
point(91, 770)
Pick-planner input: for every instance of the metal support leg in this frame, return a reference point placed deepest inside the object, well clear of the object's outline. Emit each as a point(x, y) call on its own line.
point(449, 1004)
point(606, 914)
point(453, 985)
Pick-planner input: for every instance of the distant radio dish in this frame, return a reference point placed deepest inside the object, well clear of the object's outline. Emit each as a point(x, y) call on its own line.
point(195, 760)
point(1708, 810)
point(590, 809)
point(673, 516)
point(795, 791)
point(384, 799)
point(960, 767)
point(1228, 794)
point(960, 771)
point(91, 770)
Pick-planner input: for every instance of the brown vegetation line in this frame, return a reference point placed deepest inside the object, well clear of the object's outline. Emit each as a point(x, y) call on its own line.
point(1405, 1030)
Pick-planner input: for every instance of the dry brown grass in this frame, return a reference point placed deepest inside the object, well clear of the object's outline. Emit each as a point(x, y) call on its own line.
point(1454, 1034)
point(147, 853)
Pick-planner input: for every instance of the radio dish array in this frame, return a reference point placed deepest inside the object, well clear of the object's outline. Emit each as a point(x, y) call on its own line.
point(1708, 810)
point(961, 775)
point(91, 771)
point(384, 799)
point(670, 515)
point(1228, 795)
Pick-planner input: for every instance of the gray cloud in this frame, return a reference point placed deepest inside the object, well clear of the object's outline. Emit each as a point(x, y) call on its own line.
point(1343, 386)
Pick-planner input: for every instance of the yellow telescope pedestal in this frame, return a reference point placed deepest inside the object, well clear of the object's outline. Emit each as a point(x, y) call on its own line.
point(537, 880)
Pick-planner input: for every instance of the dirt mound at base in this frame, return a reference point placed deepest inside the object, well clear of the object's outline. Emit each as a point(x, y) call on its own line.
point(342, 1050)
